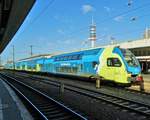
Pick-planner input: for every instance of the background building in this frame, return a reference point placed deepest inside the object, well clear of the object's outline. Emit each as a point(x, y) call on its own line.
point(141, 49)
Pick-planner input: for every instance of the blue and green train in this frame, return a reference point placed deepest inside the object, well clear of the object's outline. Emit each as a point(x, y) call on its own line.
point(112, 64)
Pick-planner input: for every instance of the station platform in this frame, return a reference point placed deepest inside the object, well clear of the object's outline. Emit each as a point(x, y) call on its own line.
point(11, 108)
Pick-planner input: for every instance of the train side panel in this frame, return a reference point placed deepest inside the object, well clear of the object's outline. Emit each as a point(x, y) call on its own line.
point(81, 64)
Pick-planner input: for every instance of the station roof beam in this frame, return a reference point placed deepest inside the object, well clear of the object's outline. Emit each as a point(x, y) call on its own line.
point(12, 15)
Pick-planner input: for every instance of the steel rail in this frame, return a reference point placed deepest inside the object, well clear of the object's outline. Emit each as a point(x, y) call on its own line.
point(72, 114)
point(131, 105)
point(125, 89)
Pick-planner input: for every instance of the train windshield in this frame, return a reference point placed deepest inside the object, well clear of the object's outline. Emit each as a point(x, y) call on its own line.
point(130, 58)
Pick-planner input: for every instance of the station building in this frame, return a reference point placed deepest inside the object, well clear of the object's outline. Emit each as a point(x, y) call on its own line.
point(141, 49)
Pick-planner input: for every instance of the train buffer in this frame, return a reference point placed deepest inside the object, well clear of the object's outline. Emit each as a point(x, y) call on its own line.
point(142, 86)
point(98, 81)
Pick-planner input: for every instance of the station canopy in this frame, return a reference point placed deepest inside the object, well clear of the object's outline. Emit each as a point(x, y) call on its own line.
point(12, 15)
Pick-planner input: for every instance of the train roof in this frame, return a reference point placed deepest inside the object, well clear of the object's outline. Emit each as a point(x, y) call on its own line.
point(89, 51)
point(83, 51)
point(36, 57)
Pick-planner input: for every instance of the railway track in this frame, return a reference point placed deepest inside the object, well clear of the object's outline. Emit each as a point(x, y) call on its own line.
point(137, 91)
point(118, 88)
point(124, 103)
point(129, 90)
point(43, 107)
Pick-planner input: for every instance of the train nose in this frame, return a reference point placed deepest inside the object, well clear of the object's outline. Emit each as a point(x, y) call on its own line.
point(134, 70)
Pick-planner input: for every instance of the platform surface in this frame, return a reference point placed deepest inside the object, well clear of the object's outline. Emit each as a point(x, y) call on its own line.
point(11, 108)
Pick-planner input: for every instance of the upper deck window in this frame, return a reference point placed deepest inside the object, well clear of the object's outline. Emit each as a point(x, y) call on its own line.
point(68, 57)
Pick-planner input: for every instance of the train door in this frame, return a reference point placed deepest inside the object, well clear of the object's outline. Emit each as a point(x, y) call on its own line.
point(114, 68)
point(109, 69)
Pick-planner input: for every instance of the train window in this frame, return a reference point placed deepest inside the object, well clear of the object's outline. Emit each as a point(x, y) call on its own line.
point(74, 57)
point(65, 58)
point(80, 66)
point(23, 67)
point(69, 57)
point(59, 59)
point(28, 67)
point(56, 59)
point(113, 62)
point(18, 67)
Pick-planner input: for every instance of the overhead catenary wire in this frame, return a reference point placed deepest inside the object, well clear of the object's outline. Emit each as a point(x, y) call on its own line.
point(50, 3)
point(71, 35)
point(37, 17)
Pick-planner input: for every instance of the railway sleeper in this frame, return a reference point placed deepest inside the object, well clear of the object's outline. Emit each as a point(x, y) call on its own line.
point(54, 111)
point(147, 111)
point(141, 108)
point(125, 103)
point(114, 99)
point(45, 106)
point(118, 101)
point(48, 108)
point(66, 118)
point(58, 115)
point(132, 105)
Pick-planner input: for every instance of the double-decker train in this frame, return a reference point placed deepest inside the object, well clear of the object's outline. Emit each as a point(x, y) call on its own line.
point(111, 63)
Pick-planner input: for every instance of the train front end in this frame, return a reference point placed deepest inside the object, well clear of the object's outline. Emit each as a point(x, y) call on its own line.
point(133, 67)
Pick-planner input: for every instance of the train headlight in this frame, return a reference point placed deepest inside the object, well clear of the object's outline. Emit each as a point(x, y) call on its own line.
point(139, 78)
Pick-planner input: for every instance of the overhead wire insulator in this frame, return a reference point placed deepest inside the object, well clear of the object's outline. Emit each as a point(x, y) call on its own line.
point(129, 3)
point(133, 18)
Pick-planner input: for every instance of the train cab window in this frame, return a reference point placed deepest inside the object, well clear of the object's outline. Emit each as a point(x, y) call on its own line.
point(113, 62)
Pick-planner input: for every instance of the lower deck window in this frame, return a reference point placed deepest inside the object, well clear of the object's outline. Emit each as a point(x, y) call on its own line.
point(23, 66)
point(67, 69)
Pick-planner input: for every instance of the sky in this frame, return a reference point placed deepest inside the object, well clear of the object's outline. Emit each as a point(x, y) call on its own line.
point(55, 26)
